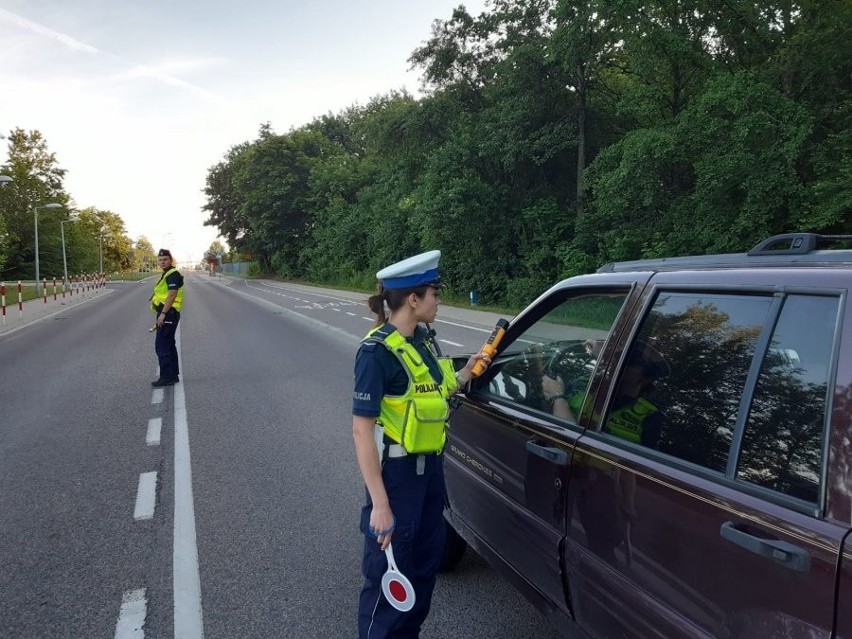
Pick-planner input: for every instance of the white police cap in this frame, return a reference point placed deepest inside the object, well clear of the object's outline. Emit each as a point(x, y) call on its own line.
point(415, 271)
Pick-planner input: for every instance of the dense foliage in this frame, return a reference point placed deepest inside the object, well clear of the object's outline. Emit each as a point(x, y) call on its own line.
point(556, 135)
point(35, 189)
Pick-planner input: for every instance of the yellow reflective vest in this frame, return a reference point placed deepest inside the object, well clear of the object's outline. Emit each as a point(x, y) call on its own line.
point(161, 291)
point(417, 418)
point(628, 422)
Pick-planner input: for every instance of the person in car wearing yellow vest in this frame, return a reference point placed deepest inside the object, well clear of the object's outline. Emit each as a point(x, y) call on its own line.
point(400, 408)
point(632, 416)
point(166, 302)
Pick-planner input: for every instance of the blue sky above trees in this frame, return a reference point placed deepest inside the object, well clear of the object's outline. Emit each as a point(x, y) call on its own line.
point(139, 98)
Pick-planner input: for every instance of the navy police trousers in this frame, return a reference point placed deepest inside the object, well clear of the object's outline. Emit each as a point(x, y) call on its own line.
point(165, 347)
point(417, 502)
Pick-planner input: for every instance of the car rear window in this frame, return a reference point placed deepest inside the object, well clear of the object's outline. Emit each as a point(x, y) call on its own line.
point(682, 385)
point(784, 436)
point(707, 342)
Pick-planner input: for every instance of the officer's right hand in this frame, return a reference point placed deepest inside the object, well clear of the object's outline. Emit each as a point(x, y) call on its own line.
point(382, 523)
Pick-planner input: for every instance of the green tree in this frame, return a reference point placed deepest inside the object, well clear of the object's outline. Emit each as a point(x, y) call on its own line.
point(224, 200)
point(37, 180)
point(144, 256)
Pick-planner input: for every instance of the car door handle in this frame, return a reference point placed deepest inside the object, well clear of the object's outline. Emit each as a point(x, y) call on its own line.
point(550, 453)
point(780, 552)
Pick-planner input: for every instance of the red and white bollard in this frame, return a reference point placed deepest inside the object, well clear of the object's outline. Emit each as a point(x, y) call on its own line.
point(3, 300)
point(20, 299)
point(43, 288)
point(54, 289)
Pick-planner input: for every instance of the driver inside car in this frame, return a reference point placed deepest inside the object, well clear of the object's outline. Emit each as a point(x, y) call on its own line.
point(565, 400)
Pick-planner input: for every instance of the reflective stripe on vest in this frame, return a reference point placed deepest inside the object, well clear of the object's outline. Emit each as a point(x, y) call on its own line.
point(161, 291)
point(417, 418)
point(627, 422)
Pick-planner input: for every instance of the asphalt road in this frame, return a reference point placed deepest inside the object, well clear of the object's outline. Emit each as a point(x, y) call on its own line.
point(249, 527)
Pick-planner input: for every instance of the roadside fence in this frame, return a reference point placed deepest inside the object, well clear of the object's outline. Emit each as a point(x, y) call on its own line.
point(80, 285)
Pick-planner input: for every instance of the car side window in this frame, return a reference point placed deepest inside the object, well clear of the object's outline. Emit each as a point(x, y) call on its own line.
point(783, 441)
point(681, 383)
point(550, 365)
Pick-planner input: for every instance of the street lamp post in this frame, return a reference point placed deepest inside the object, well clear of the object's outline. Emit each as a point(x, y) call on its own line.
point(101, 249)
point(51, 205)
point(62, 224)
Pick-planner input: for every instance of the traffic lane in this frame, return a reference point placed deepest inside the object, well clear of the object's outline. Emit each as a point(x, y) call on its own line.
point(276, 486)
point(278, 491)
point(351, 314)
point(72, 447)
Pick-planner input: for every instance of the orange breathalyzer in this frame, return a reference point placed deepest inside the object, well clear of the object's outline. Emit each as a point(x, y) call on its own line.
point(490, 346)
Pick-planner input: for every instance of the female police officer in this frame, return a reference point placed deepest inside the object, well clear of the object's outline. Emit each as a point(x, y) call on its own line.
point(399, 412)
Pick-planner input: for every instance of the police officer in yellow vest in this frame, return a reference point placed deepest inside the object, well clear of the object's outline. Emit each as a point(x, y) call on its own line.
point(166, 302)
point(400, 409)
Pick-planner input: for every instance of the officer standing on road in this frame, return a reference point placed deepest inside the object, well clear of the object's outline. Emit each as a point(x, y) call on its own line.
point(166, 302)
point(400, 408)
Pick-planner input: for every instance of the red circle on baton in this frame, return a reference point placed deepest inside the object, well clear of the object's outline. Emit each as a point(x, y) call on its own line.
point(397, 589)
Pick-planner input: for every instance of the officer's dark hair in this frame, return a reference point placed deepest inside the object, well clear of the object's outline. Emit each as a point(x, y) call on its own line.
point(394, 298)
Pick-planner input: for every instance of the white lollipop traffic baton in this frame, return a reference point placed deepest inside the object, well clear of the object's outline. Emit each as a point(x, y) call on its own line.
point(397, 589)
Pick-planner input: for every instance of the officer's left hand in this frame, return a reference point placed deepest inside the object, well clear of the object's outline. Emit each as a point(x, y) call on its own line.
point(478, 357)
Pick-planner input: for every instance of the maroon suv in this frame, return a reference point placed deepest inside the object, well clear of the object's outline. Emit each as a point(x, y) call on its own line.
point(664, 448)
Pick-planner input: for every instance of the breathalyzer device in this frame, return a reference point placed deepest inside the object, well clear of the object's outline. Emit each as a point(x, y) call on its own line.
point(490, 346)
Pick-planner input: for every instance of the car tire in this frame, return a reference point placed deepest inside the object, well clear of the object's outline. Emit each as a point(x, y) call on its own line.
point(453, 551)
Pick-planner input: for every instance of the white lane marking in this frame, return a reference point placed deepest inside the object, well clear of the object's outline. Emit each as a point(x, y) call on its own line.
point(352, 314)
point(345, 300)
point(157, 396)
point(146, 493)
point(336, 309)
point(350, 302)
point(155, 424)
point(472, 328)
point(186, 584)
point(446, 341)
point(131, 618)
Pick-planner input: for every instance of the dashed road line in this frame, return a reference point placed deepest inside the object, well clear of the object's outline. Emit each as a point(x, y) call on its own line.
point(146, 494)
point(446, 341)
point(131, 618)
point(155, 425)
point(157, 396)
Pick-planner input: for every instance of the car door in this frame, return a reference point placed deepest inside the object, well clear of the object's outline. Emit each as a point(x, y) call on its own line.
point(508, 455)
point(844, 598)
point(716, 524)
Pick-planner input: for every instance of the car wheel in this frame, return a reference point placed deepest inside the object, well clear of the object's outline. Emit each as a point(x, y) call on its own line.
point(454, 550)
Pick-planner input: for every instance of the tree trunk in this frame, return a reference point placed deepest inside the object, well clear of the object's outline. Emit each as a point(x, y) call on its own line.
point(582, 113)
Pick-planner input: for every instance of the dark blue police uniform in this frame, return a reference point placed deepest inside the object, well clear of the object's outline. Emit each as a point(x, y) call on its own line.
point(416, 499)
point(164, 342)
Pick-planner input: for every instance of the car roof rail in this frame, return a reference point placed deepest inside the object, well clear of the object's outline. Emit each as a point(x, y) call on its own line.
point(787, 249)
point(796, 243)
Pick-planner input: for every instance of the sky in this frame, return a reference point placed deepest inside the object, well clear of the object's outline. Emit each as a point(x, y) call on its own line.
point(139, 98)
